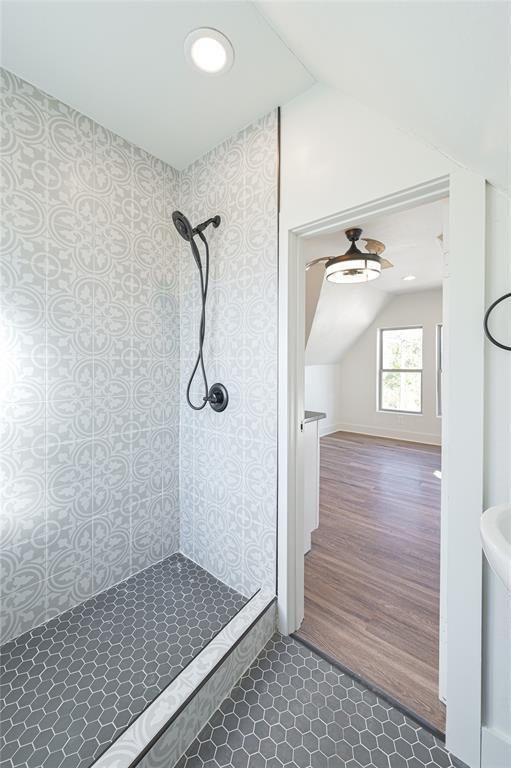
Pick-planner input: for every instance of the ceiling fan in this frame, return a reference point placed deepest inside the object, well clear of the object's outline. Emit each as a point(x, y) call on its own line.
point(355, 266)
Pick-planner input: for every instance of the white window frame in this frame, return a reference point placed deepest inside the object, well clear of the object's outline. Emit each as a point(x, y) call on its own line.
point(382, 370)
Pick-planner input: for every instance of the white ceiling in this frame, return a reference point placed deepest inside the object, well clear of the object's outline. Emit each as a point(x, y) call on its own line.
point(440, 70)
point(122, 64)
point(341, 317)
point(411, 244)
point(343, 312)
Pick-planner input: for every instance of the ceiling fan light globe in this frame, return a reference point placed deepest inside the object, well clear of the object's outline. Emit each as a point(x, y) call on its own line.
point(353, 271)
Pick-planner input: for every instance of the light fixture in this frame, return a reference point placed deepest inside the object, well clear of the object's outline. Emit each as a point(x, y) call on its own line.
point(409, 277)
point(355, 266)
point(209, 50)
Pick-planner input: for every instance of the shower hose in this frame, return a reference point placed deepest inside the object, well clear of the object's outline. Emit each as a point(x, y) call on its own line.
point(204, 280)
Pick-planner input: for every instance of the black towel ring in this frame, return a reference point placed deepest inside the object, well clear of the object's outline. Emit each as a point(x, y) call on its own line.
point(486, 318)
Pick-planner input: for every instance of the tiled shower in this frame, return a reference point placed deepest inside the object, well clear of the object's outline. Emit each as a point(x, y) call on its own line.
point(105, 473)
point(101, 457)
point(138, 537)
point(89, 301)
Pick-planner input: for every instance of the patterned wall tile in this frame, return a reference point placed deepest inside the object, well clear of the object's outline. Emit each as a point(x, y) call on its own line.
point(23, 517)
point(89, 332)
point(228, 461)
point(68, 588)
point(99, 454)
point(23, 565)
point(23, 609)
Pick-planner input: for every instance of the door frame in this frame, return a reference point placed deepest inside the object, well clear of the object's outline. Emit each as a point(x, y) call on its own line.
point(462, 458)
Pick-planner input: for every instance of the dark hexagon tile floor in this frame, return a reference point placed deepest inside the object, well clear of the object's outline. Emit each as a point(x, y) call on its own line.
point(71, 686)
point(294, 710)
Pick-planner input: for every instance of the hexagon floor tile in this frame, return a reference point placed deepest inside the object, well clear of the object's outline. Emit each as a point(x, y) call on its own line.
point(71, 686)
point(292, 709)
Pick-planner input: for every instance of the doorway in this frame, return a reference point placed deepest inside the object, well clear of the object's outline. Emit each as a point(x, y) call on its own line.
point(460, 605)
point(372, 529)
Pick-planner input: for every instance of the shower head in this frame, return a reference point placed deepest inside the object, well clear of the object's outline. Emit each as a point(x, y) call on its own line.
point(183, 226)
point(185, 229)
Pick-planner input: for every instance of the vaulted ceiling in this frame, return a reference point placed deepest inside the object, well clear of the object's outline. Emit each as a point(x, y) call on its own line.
point(440, 70)
point(122, 63)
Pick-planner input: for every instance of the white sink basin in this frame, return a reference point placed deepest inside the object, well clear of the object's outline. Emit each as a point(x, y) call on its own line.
point(496, 536)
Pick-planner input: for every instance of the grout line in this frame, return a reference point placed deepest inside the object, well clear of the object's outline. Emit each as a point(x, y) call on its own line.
point(93, 393)
point(370, 686)
point(45, 419)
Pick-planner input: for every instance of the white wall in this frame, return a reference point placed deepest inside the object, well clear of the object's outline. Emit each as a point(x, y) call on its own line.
point(359, 373)
point(347, 391)
point(497, 603)
point(336, 155)
point(323, 393)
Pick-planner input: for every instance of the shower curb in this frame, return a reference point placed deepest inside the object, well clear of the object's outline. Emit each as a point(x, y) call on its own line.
point(162, 733)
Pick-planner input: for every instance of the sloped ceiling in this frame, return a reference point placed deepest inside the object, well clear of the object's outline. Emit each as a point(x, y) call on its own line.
point(337, 315)
point(341, 317)
point(440, 70)
point(314, 280)
point(122, 63)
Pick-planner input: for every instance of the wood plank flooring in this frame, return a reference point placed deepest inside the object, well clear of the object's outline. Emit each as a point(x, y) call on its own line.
point(372, 577)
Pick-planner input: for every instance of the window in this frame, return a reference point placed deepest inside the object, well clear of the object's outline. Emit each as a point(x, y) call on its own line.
point(400, 370)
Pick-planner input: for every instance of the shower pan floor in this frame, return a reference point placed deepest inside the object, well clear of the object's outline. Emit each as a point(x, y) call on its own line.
point(71, 686)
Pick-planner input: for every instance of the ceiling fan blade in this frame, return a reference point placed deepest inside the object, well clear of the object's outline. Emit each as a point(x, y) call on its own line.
point(374, 246)
point(316, 261)
point(386, 264)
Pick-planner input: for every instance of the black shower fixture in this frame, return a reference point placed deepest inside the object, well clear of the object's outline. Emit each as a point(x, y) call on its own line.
point(216, 395)
point(184, 227)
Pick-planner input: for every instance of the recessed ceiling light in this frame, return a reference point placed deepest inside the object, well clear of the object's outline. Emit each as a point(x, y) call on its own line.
point(409, 277)
point(209, 50)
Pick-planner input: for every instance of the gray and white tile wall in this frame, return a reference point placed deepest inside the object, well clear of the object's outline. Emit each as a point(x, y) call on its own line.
point(228, 461)
point(104, 469)
point(89, 358)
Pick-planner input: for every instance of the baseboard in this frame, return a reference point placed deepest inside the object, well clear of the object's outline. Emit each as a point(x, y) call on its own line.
point(396, 434)
point(495, 749)
point(328, 429)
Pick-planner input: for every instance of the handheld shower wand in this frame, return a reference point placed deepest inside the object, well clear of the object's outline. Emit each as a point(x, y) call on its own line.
point(216, 395)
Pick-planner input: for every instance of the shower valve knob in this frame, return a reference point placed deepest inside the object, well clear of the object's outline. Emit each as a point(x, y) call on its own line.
point(218, 397)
